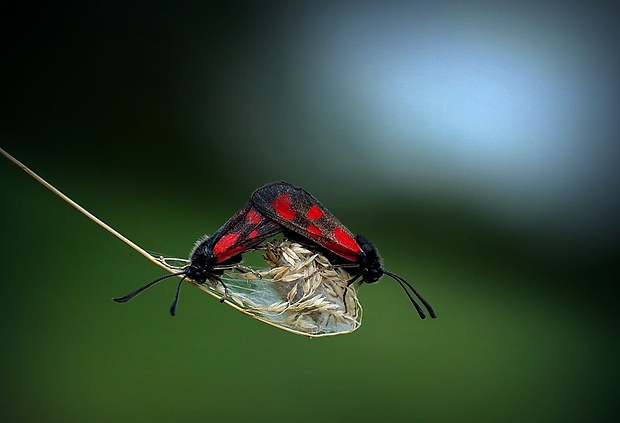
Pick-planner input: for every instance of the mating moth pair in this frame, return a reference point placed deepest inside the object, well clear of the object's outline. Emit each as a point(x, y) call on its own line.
point(309, 286)
point(280, 207)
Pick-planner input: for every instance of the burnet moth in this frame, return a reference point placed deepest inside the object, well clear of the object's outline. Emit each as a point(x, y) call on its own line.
point(212, 255)
point(280, 296)
point(304, 216)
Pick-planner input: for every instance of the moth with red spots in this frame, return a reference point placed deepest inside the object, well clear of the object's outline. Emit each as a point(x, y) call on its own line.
point(213, 255)
point(302, 215)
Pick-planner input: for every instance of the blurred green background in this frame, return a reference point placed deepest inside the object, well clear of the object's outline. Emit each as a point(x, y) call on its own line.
point(475, 144)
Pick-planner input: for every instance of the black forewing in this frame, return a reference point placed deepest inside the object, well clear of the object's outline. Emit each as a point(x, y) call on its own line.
point(246, 229)
point(296, 209)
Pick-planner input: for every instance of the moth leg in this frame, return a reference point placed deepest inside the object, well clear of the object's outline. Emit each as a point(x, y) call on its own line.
point(346, 289)
point(226, 292)
point(247, 269)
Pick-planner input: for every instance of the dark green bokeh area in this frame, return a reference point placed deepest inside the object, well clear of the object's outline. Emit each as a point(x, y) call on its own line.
point(162, 120)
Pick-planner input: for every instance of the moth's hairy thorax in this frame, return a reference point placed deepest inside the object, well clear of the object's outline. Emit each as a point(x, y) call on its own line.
point(203, 260)
point(369, 261)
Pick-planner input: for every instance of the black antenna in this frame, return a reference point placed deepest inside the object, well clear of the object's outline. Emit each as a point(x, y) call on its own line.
point(133, 294)
point(404, 284)
point(173, 307)
point(108, 228)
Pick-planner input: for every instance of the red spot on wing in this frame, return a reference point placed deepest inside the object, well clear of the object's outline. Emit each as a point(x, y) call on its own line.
point(253, 217)
point(224, 244)
point(314, 213)
point(253, 234)
point(314, 231)
point(336, 248)
point(283, 206)
point(344, 238)
point(230, 253)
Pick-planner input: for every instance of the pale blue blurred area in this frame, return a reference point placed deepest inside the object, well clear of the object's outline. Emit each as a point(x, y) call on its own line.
point(509, 108)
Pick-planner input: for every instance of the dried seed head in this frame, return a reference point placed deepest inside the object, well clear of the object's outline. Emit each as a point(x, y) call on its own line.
point(300, 291)
point(314, 295)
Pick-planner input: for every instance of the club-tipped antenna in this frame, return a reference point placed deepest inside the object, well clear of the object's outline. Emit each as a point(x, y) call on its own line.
point(173, 307)
point(133, 294)
point(404, 284)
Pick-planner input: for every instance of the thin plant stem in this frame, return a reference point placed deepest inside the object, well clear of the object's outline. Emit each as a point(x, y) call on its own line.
point(82, 210)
